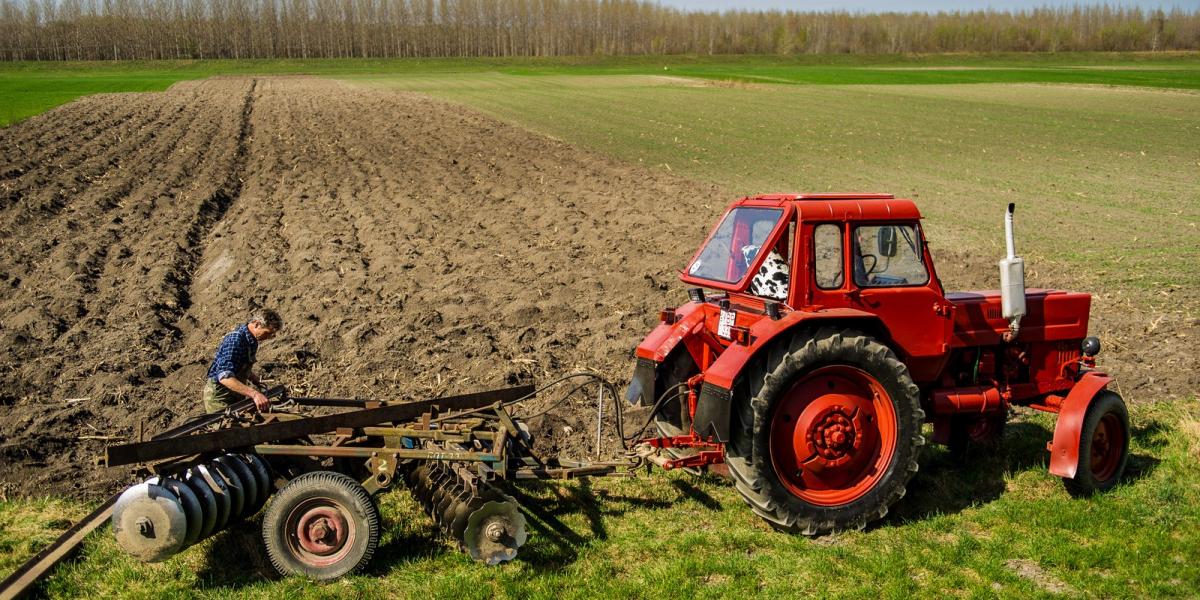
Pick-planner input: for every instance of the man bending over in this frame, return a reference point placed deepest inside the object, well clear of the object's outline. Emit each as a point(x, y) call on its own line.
point(231, 376)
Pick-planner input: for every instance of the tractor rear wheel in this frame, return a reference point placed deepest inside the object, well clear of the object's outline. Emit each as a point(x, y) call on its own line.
point(321, 525)
point(834, 436)
point(1103, 446)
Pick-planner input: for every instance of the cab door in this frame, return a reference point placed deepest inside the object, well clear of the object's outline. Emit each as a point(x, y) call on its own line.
point(889, 276)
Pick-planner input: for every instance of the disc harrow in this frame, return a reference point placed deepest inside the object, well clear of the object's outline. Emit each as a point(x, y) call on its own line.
point(313, 477)
point(486, 523)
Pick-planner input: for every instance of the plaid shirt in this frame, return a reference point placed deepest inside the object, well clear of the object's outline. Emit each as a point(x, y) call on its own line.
point(237, 352)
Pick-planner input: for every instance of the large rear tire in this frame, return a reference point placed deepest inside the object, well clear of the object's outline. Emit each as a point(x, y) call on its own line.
point(1103, 446)
point(834, 432)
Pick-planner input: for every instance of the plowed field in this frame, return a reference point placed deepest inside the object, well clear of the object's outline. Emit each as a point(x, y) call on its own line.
point(414, 248)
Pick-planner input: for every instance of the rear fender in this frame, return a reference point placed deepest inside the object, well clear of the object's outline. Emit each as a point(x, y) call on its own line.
point(1064, 449)
point(763, 334)
point(713, 408)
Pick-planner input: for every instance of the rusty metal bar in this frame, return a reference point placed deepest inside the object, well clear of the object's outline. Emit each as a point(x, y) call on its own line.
point(340, 402)
point(359, 452)
point(434, 434)
point(127, 454)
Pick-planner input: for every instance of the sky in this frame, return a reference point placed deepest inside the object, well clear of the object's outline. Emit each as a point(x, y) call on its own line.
point(911, 5)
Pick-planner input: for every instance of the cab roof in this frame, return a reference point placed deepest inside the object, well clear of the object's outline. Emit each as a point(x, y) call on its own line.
point(843, 206)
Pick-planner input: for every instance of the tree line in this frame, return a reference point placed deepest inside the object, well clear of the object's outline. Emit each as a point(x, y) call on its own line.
point(184, 29)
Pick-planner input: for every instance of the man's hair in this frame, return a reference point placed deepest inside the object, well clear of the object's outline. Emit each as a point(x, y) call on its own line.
point(268, 318)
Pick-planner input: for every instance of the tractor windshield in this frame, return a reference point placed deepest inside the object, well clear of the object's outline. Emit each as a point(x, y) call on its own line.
point(735, 244)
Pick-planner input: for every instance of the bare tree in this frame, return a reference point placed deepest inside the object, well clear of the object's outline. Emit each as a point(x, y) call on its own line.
point(160, 29)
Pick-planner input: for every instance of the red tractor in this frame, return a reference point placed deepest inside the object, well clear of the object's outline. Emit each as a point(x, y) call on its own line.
point(830, 342)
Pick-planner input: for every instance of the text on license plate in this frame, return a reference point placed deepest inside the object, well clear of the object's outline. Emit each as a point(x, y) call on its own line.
point(726, 323)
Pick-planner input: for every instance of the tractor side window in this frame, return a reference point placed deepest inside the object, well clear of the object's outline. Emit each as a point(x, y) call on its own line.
point(735, 244)
point(827, 253)
point(888, 255)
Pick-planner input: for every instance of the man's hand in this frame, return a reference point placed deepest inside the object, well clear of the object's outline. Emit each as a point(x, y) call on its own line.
point(260, 401)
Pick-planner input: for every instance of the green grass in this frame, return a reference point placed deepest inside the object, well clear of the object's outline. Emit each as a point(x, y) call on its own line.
point(29, 88)
point(995, 526)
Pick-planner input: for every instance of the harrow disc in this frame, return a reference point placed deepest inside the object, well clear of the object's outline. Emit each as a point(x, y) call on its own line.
point(149, 522)
point(208, 505)
point(494, 532)
point(191, 507)
point(258, 466)
point(250, 502)
point(201, 476)
point(462, 511)
point(233, 483)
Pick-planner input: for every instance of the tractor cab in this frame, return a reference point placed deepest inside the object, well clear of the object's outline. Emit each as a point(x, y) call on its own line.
point(747, 251)
point(861, 254)
point(798, 249)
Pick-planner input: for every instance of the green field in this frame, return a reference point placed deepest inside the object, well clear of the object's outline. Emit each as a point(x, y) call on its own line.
point(29, 88)
point(1101, 153)
point(1122, 159)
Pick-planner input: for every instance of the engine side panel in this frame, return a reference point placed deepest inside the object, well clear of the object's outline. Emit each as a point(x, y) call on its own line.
point(1052, 315)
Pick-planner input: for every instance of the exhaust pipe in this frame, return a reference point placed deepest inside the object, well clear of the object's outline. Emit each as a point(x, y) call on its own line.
point(1012, 281)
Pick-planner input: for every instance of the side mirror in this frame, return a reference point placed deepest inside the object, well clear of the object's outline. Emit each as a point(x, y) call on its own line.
point(887, 241)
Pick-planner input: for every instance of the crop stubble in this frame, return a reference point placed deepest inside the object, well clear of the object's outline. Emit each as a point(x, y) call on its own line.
point(414, 247)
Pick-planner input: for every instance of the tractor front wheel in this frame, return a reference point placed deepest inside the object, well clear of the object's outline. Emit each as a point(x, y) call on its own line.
point(835, 433)
point(1103, 446)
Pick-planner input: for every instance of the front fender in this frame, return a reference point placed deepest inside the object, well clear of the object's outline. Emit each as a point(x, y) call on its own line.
point(656, 347)
point(1064, 449)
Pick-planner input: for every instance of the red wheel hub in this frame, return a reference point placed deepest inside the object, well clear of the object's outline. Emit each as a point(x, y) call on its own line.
point(1108, 443)
point(833, 435)
point(319, 532)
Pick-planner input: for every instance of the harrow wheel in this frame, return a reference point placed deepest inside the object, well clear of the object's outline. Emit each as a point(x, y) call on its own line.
point(1103, 446)
point(831, 436)
point(321, 525)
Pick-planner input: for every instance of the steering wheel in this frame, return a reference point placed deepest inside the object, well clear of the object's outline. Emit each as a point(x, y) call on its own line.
point(874, 263)
point(749, 251)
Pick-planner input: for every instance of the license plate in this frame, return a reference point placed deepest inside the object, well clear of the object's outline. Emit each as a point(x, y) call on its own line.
point(726, 324)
